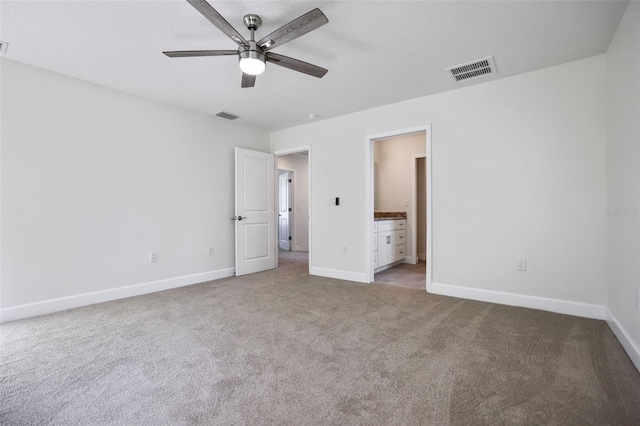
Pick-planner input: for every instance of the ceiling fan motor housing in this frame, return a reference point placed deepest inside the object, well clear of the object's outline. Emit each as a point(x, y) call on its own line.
point(253, 51)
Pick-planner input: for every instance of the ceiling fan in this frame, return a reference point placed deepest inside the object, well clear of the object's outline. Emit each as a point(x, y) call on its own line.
point(254, 54)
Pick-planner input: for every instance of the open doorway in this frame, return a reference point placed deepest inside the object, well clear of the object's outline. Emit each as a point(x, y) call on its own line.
point(399, 213)
point(293, 201)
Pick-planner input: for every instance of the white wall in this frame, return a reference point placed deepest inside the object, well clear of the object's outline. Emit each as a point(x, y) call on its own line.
point(299, 165)
point(394, 157)
point(94, 179)
point(623, 175)
point(518, 171)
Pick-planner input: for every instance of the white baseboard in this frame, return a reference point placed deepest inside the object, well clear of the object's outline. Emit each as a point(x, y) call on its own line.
point(410, 259)
point(623, 337)
point(78, 300)
point(553, 305)
point(338, 274)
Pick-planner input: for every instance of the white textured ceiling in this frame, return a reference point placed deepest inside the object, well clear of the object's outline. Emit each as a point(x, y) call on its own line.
point(377, 53)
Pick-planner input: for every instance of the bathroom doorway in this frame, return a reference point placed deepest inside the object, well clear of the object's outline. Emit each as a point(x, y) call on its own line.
point(399, 200)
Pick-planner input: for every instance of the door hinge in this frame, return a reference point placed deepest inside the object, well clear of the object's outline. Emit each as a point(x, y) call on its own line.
point(289, 208)
point(289, 238)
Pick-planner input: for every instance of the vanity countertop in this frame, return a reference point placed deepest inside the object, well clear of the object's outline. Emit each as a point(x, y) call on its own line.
point(389, 216)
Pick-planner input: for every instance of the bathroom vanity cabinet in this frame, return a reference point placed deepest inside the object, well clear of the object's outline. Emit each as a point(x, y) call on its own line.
point(388, 243)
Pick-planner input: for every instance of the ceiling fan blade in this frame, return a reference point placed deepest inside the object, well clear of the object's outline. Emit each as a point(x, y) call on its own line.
point(296, 65)
point(216, 19)
point(294, 29)
point(188, 53)
point(248, 80)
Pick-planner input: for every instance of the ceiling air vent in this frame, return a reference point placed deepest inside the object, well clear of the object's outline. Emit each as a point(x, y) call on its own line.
point(226, 115)
point(473, 69)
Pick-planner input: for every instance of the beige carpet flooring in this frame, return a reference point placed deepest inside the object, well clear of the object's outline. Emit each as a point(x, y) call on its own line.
point(284, 348)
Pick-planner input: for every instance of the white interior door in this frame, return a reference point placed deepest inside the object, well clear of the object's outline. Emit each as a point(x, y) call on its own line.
point(284, 211)
point(254, 211)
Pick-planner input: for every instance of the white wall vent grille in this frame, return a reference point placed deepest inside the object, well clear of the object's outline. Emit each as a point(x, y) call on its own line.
point(473, 69)
point(226, 115)
point(3, 46)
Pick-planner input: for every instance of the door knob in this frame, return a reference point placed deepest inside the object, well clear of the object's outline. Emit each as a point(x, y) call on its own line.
point(238, 218)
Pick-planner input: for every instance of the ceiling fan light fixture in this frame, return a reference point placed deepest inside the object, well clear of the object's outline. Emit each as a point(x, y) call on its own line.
point(252, 66)
point(252, 60)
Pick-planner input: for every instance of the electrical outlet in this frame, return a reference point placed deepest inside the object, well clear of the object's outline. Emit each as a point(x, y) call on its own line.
point(345, 250)
point(521, 265)
point(153, 257)
point(210, 250)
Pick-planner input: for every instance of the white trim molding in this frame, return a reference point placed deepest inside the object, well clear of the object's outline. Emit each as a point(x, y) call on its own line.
point(340, 275)
point(294, 150)
point(623, 337)
point(578, 309)
point(63, 303)
point(410, 259)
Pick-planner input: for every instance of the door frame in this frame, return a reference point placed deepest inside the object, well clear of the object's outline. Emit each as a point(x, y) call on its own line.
point(369, 139)
point(295, 150)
